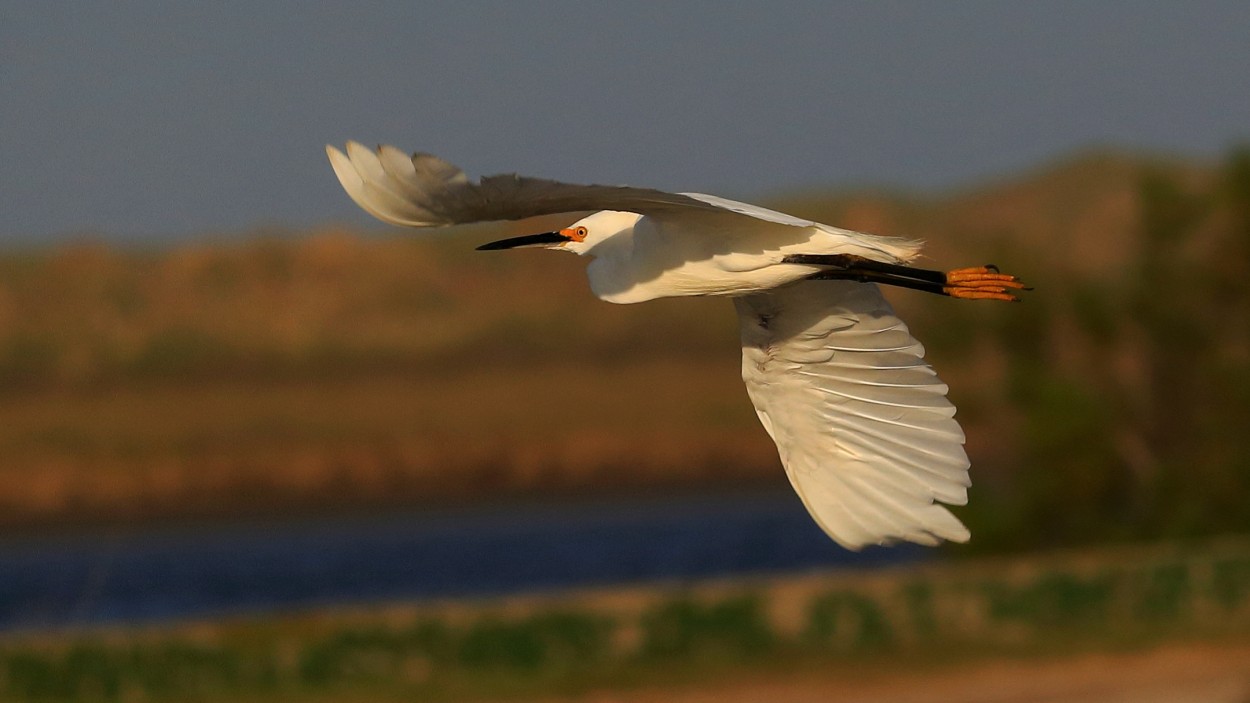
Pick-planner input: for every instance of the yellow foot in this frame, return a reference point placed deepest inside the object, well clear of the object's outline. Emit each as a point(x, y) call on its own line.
point(982, 283)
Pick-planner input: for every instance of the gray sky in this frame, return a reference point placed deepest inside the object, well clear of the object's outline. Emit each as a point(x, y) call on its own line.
point(159, 119)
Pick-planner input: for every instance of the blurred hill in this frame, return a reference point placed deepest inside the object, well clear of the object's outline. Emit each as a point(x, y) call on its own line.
point(331, 370)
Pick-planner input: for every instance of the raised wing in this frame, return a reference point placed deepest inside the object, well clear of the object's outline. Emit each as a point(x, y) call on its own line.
point(425, 191)
point(861, 422)
point(755, 211)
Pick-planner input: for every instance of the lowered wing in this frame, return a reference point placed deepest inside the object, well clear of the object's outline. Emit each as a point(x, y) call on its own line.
point(861, 422)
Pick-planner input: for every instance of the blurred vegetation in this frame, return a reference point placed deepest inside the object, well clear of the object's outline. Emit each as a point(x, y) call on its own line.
point(330, 370)
point(1132, 385)
point(834, 625)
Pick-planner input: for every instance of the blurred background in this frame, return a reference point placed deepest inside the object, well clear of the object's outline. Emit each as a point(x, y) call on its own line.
point(256, 446)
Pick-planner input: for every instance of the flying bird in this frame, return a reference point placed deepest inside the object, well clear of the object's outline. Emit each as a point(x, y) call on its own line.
point(861, 422)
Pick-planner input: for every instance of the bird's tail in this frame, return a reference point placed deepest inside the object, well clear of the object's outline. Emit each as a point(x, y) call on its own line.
point(894, 250)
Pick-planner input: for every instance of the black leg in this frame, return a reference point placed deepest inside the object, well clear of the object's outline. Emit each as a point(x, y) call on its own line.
point(850, 262)
point(981, 282)
point(846, 267)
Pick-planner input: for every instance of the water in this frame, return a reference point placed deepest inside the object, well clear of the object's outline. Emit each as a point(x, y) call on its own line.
point(221, 569)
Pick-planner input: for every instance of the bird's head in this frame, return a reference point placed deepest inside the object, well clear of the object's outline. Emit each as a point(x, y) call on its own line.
point(581, 237)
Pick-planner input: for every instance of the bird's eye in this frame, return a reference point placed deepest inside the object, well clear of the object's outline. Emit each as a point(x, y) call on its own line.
point(580, 233)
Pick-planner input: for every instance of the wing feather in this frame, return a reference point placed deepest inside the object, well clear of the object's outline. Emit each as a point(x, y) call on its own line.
point(861, 422)
point(865, 393)
point(424, 191)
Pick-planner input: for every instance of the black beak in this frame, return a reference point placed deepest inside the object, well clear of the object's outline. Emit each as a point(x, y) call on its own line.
point(529, 240)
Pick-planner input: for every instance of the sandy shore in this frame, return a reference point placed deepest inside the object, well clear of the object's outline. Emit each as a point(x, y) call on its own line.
point(1198, 673)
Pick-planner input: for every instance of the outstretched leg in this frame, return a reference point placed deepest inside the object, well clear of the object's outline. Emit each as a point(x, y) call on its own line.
point(977, 283)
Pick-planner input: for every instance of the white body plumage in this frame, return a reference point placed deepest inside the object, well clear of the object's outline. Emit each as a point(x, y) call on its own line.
point(639, 258)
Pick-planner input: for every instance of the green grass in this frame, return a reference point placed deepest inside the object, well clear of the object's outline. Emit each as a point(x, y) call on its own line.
point(659, 636)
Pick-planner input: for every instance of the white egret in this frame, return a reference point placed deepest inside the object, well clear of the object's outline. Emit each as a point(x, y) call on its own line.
point(861, 422)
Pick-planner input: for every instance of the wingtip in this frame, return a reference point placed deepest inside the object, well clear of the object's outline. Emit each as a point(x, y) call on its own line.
point(951, 529)
point(343, 168)
point(393, 151)
point(359, 153)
